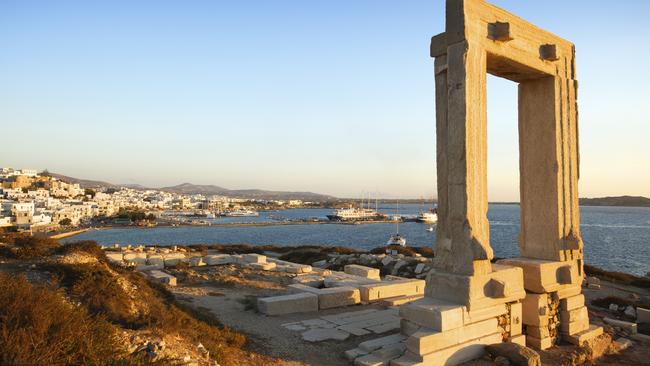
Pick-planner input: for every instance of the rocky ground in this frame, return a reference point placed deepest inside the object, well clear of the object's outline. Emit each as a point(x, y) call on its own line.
point(185, 324)
point(229, 292)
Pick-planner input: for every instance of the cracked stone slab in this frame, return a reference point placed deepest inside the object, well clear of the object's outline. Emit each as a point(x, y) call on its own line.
point(320, 334)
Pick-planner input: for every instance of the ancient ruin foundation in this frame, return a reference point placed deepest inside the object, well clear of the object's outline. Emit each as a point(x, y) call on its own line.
point(534, 299)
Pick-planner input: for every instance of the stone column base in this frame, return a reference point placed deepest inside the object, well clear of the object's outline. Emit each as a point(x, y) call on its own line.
point(554, 307)
point(460, 315)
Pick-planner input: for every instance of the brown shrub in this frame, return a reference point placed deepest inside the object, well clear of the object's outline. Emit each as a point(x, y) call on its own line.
point(37, 327)
point(97, 289)
point(85, 246)
point(29, 247)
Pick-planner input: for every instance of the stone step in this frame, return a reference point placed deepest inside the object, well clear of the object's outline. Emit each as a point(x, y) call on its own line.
point(377, 343)
point(400, 300)
point(585, 336)
point(459, 353)
point(433, 313)
point(426, 341)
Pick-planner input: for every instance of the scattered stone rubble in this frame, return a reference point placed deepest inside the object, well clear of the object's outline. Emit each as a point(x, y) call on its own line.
point(392, 263)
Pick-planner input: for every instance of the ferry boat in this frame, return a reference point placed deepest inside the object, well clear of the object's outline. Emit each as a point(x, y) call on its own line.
point(240, 213)
point(356, 214)
point(430, 217)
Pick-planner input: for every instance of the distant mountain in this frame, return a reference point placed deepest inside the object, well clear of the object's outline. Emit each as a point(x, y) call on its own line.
point(629, 201)
point(208, 190)
point(189, 188)
point(84, 183)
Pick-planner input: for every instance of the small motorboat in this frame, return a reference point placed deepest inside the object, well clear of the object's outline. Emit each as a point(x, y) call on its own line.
point(396, 239)
point(430, 229)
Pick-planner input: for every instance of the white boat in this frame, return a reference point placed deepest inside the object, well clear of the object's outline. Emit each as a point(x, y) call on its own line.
point(240, 213)
point(397, 239)
point(430, 229)
point(361, 213)
point(430, 217)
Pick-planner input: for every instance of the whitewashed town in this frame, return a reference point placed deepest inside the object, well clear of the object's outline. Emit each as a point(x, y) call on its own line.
point(39, 202)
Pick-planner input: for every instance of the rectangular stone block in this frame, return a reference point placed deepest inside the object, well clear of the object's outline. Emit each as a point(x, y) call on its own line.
point(377, 343)
point(516, 319)
point(384, 290)
point(140, 258)
point(114, 257)
point(477, 315)
point(538, 332)
point(330, 297)
point(288, 304)
point(156, 259)
point(362, 271)
point(262, 266)
point(218, 259)
point(504, 284)
point(519, 339)
point(459, 353)
point(542, 276)
point(642, 315)
point(572, 302)
point(631, 327)
point(585, 336)
point(539, 344)
point(254, 258)
point(535, 309)
point(297, 268)
point(569, 291)
point(436, 314)
point(575, 326)
point(574, 315)
point(163, 277)
point(400, 300)
point(338, 296)
point(426, 340)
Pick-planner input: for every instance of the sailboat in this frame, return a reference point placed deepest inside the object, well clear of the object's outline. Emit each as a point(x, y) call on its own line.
point(397, 239)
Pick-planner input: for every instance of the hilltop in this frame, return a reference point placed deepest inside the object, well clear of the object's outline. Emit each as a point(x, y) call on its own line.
point(629, 201)
point(209, 189)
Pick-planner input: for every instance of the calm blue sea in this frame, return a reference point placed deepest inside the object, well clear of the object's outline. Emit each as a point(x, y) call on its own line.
point(616, 238)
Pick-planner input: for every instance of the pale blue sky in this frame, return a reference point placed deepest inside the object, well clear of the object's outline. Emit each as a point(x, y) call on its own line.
point(327, 96)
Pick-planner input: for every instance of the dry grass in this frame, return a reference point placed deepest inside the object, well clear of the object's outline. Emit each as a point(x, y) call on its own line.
point(38, 327)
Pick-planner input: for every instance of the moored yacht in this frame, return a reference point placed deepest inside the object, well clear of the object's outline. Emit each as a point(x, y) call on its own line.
point(397, 239)
point(240, 213)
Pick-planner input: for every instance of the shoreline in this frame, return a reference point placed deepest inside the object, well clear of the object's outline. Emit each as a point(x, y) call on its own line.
point(234, 224)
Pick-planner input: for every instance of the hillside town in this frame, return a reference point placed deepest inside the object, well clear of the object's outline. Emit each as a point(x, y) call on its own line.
point(38, 202)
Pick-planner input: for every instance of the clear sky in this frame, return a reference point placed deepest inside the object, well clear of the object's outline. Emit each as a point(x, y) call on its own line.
point(326, 96)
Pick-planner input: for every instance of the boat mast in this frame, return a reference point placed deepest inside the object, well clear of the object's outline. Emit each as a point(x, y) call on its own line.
point(398, 217)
